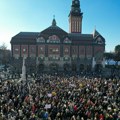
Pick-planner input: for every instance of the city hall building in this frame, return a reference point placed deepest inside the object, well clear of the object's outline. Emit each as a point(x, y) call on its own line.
point(58, 50)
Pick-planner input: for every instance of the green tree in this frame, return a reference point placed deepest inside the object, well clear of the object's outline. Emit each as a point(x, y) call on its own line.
point(117, 54)
point(117, 49)
point(4, 54)
point(108, 56)
point(3, 47)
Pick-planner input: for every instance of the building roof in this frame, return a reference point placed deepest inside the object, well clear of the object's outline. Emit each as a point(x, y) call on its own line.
point(79, 36)
point(25, 37)
point(30, 37)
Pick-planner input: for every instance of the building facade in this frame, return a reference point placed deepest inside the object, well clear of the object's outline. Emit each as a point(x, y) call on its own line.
point(56, 49)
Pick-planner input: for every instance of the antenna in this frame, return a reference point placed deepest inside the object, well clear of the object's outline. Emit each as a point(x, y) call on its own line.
point(53, 16)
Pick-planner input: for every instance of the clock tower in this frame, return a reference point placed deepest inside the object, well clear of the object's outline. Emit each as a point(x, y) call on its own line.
point(75, 17)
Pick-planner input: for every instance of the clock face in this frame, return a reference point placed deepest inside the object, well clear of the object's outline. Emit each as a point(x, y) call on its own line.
point(76, 2)
point(76, 10)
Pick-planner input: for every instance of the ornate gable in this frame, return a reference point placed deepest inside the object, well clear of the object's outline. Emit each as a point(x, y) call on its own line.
point(99, 40)
point(67, 40)
point(53, 39)
point(40, 40)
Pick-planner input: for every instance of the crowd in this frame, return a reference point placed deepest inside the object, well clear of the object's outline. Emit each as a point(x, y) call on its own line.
point(61, 98)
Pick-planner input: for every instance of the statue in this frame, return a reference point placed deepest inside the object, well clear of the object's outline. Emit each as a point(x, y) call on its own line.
point(93, 62)
point(23, 75)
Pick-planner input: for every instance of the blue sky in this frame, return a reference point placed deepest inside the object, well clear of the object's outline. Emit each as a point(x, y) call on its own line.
point(36, 15)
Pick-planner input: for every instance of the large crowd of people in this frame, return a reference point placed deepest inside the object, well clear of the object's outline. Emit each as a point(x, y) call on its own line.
point(60, 97)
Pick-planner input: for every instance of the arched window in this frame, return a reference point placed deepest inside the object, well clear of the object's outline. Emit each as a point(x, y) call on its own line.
point(53, 39)
point(40, 40)
point(99, 40)
point(67, 40)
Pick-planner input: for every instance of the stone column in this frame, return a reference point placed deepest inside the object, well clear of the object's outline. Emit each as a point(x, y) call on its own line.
point(23, 76)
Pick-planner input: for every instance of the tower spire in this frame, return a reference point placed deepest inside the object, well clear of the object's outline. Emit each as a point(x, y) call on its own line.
point(75, 8)
point(75, 17)
point(54, 21)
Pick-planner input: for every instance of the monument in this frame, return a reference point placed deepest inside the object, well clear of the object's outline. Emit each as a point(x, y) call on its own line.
point(23, 75)
point(93, 63)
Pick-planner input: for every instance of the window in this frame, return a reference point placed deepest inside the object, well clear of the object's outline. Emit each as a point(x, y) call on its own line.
point(41, 48)
point(99, 41)
point(73, 51)
point(66, 58)
point(32, 49)
point(41, 58)
point(74, 57)
point(54, 57)
point(51, 50)
point(53, 39)
point(66, 40)
point(54, 50)
point(66, 50)
point(24, 50)
point(16, 49)
point(40, 40)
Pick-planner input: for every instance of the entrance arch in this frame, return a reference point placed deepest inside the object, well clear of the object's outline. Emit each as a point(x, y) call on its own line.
point(89, 68)
point(98, 68)
point(74, 67)
point(53, 67)
point(66, 67)
point(81, 67)
point(41, 67)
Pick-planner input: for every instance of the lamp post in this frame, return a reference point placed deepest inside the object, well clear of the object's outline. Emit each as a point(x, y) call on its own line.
point(37, 63)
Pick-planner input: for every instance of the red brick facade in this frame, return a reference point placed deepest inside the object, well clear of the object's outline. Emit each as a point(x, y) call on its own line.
point(16, 50)
point(24, 50)
point(89, 51)
point(82, 51)
point(41, 50)
point(66, 50)
point(54, 50)
point(75, 51)
point(32, 50)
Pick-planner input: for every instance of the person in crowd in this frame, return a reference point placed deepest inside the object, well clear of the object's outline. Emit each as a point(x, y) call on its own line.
point(61, 97)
